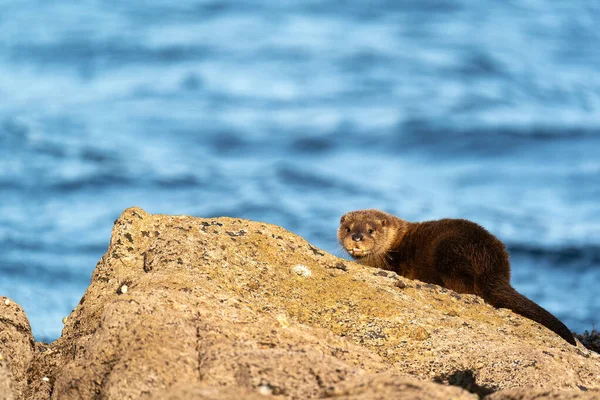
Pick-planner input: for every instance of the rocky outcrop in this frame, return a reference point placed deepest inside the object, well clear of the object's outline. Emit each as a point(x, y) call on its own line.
point(16, 349)
point(183, 307)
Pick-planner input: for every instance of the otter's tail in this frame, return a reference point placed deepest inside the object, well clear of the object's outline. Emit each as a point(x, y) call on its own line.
point(502, 294)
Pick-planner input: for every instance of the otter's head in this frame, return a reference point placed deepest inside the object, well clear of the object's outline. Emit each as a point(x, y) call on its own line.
point(368, 235)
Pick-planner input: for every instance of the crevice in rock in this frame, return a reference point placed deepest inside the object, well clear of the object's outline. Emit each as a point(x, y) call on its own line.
point(318, 379)
point(19, 327)
point(199, 353)
point(51, 391)
point(101, 384)
point(466, 380)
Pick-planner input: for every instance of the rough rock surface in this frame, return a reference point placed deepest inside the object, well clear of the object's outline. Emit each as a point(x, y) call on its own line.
point(386, 386)
point(183, 307)
point(7, 390)
point(16, 347)
point(542, 394)
point(198, 391)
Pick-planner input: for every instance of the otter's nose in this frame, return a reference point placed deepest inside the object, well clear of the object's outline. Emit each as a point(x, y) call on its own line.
point(357, 237)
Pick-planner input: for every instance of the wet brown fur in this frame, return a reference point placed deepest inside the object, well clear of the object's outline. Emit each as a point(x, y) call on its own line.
point(454, 253)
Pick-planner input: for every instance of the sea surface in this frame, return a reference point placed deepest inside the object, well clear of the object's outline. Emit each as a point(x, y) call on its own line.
point(293, 113)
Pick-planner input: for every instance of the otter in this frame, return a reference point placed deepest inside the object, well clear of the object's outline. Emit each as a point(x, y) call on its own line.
point(454, 253)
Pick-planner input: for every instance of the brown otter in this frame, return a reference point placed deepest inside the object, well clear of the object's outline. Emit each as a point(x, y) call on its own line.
point(454, 253)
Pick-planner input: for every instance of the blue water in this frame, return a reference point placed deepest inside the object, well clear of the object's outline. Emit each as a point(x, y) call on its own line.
point(294, 113)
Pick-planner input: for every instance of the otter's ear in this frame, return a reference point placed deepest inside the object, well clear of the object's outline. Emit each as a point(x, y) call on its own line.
point(343, 219)
point(383, 222)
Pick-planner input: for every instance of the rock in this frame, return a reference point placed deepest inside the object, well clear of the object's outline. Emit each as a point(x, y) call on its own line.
point(7, 385)
point(542, 394)
point(591, 340)
point(16, 346)
point(198, 391)
point(233, 308)
point(385, 386)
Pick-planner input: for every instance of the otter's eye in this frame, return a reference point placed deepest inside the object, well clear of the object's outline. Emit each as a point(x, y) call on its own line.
point(371, 231)
point(348, 230)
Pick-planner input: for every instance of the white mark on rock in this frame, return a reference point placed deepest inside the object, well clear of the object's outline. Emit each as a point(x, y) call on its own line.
point(7, 302)
point(265, 390)
point(46, 379)
point(302, 270)
point(124, 289)
point(283, 321)
point(64, 320)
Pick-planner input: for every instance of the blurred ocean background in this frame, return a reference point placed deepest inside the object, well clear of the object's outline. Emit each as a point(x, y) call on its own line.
point(293, 113)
